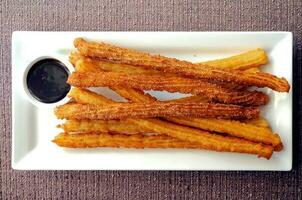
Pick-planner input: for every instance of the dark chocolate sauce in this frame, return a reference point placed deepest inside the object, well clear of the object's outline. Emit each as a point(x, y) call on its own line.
point(46, 80)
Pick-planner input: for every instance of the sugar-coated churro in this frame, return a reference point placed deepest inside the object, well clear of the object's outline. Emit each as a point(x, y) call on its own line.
point(102, 126)
point(92, 140)
point(155, 109)
point(172, 84)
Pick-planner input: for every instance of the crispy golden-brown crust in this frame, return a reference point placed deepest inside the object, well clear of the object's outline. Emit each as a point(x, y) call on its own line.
point(172, 65)
point(207, 141)
point(249, 61)
point(172, 84)
point(83, 63)
point(102, 126)
point(243, 61)
point(92, 140)
point(155, 109)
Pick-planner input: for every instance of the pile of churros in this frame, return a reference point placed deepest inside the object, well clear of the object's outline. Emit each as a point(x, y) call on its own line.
point(221, 115)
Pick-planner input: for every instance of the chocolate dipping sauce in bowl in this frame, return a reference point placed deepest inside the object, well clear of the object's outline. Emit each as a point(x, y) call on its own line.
point(45, 81)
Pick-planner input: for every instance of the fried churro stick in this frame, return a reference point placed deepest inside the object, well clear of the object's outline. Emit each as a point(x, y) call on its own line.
point(83, 64)
point(172, 65)
point(155, 109)
point(84, 96)
point(230, 127)
point(201, 137)
point(172, 84)
point(102, 126)
point(246, 60)
point(92, 140)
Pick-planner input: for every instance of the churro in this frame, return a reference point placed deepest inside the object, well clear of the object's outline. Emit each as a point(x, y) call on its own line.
point(155, 109)
point(102, 126)
point(172, 84)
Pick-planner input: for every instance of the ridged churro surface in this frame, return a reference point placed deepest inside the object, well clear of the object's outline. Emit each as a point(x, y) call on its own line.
point(172, 84)
point(208, 141)
point(156, 109)
point(102, 126)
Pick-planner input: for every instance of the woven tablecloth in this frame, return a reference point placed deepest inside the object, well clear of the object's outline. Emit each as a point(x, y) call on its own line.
point(144, 15)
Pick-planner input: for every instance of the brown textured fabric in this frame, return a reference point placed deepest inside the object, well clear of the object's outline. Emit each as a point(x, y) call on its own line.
point(140, 15)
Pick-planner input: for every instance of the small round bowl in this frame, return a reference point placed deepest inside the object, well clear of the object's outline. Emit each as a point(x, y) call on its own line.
point(30, 97)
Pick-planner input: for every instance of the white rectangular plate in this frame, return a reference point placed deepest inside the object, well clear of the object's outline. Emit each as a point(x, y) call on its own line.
point(33, 128)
